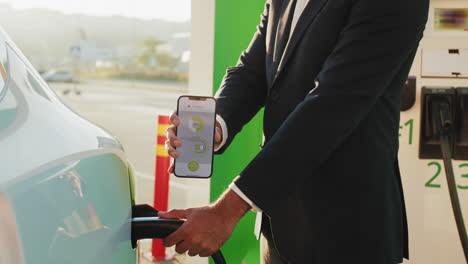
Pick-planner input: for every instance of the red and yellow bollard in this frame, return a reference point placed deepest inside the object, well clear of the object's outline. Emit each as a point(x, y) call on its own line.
point(161, 185)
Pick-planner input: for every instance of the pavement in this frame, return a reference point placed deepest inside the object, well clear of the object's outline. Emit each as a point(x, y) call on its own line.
point(129, 110)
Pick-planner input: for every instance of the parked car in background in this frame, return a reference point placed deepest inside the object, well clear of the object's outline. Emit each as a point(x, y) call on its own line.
point(58, 76)
point(65, 184)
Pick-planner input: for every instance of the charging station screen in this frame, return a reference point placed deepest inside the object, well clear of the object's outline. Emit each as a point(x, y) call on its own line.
point(196, 130)
point(451, 19)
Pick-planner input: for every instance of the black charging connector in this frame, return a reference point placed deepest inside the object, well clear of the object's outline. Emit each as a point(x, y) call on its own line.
point(443, 126)
point(460, 151)
point(429, 145)
point(147, 225)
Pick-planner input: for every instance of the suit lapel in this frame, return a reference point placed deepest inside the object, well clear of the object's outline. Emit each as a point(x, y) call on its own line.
point(283, 29)
point(310, 12)
point(282, 33)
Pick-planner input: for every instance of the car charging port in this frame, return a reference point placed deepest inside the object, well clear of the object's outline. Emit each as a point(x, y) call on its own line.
point(146, 225)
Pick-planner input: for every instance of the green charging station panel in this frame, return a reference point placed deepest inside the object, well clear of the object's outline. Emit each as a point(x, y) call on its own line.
point(235, 25)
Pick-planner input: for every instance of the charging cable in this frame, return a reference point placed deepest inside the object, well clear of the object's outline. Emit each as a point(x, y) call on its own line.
point(442, 115)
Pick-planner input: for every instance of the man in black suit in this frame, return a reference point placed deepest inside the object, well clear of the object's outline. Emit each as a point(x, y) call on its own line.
point(327, 179)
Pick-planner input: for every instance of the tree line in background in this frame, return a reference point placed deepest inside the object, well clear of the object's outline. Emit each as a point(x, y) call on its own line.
point(143, 49)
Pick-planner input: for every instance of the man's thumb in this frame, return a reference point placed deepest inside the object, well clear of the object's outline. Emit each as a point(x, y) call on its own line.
point(174, 214)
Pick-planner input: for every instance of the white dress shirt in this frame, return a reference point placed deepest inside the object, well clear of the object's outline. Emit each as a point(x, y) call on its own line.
point(300, 6)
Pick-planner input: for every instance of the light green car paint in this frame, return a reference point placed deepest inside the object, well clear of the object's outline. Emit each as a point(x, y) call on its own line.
point(131, 178)
point(66, 180)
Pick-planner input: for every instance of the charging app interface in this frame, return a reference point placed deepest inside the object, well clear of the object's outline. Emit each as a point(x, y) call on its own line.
point(197, 120)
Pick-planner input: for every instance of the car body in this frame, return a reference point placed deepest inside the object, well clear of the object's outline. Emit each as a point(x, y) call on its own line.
point(58, 76)
point(65, 184)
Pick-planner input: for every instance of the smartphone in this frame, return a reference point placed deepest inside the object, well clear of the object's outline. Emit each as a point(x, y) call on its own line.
point(197, 116)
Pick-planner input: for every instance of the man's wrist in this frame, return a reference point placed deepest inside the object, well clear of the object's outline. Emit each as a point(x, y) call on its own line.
point(218, 126)
point(232, 205)
point(221, 125)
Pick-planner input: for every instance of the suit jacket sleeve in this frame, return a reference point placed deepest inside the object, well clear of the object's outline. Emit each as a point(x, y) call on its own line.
point(379, 38)
point(243, 89)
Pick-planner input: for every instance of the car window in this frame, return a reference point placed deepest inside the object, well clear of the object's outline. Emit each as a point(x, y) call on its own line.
point(13, 105)
point(3, 78)
point(3, 69)
point(26, 74)
point(8, 101)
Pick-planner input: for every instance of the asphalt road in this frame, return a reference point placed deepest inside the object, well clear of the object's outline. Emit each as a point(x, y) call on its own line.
point(129, 111)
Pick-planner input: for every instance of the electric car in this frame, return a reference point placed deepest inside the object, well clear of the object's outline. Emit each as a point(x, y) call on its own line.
point(66, 187)
point(65, 184)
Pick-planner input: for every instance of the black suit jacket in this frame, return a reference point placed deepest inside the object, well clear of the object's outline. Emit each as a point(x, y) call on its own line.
point(328, 176)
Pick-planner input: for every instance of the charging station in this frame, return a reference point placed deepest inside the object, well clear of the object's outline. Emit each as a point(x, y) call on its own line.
point(435, 98)
point(434, 109)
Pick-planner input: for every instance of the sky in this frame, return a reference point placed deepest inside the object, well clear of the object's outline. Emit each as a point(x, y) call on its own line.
point(172, 10)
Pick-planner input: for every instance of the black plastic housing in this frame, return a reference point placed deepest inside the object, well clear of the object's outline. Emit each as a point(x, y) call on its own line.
point(429, 140)
point(461, 132)
point(408, 95)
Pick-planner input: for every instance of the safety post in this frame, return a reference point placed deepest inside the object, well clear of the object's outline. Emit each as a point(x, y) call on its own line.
point(161, 184)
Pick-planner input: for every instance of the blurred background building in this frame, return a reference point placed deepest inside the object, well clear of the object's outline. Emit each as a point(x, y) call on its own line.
point(110, 45)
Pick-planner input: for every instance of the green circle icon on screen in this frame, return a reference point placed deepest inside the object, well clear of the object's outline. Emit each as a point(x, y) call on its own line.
point(196, 124)
point(193, 166)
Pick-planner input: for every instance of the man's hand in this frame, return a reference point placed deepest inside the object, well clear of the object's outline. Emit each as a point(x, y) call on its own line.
point(174, 142)
point(206, 229)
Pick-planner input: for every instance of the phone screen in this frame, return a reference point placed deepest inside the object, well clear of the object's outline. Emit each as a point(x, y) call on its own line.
point(196, 130)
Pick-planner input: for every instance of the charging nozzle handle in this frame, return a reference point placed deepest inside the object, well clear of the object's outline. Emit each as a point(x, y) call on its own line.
point(445, 115)
point(445, 123)
point(153, 227)
point(158, 228)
